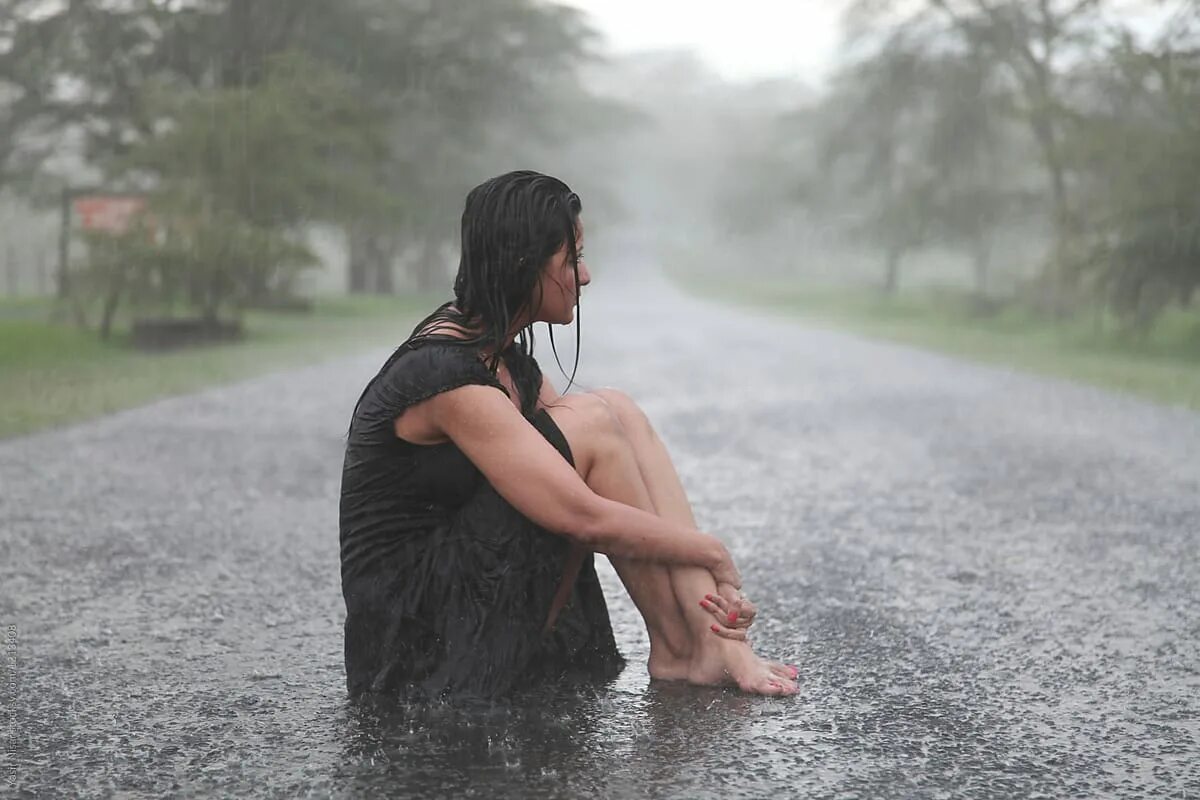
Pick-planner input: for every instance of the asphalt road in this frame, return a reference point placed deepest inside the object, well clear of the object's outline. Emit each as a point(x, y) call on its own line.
point(990, 581)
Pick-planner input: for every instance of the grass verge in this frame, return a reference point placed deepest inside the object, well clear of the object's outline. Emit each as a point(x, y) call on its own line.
point(1163, 366)
point(51, 374)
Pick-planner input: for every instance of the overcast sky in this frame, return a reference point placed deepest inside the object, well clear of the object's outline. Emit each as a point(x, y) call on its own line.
point(753, 39)
point(742, 41)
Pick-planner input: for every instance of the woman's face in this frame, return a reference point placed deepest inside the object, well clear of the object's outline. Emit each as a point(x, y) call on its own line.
point(557, 283)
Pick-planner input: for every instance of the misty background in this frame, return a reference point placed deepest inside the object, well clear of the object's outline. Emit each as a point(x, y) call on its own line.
point(170, 169)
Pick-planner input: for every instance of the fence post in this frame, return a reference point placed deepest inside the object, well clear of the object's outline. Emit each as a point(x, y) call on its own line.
point(42, 276)
point(64, 244)
point(10, 269)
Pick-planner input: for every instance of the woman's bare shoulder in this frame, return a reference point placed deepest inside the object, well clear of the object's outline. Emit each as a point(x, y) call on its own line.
point(426, 422)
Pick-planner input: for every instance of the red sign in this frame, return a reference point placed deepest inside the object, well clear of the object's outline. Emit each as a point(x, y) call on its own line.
point(109, 213)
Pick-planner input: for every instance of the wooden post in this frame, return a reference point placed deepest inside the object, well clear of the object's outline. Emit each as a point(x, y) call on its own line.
point(42, 275)
point(64, 245)
point(10, 269)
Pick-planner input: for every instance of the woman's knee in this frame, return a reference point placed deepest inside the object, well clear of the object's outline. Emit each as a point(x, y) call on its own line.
point(632, 418)
point(586, 419)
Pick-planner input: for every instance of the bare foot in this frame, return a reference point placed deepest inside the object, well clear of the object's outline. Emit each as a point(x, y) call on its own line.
point(784, 670)
point(728, 662)
point(667, 667)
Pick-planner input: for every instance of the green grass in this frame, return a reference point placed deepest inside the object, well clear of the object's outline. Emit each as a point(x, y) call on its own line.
point(52, 373)
point(1163, 366)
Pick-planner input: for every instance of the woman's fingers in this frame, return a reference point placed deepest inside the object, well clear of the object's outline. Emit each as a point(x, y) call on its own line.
point(728, 614)
point(729, 624)
point(735, 634)
point(737, 614)
point(732, 598)
point(722, 604)
point(747, 614)
point(716, 606)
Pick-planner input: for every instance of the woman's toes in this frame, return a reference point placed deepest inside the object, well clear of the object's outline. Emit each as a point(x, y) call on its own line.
point(789, 687)
point(783, 670)
point(770, 684)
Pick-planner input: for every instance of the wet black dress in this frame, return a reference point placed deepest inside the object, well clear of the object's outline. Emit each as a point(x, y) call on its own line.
point(447, 586)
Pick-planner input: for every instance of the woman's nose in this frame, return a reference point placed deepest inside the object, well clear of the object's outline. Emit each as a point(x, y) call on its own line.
point(585, 277)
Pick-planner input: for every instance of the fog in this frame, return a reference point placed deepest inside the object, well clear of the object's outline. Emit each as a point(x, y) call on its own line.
point(898, 143)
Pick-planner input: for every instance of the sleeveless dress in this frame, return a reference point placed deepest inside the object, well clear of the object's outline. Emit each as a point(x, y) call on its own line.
point(447, 586)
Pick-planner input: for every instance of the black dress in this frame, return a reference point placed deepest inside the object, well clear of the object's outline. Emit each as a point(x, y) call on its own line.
point(447, 586)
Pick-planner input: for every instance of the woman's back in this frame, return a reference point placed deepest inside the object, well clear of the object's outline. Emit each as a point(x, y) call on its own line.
point(389, 485)
point(435, 565)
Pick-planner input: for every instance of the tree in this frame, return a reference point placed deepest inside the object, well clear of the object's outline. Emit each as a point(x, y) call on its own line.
point(466, 85)
point(1034, 42)
point(445, 76)
point(71, 78)
point(235, 176)
point(969, 155)
point(1139, 155)
point(870, 148)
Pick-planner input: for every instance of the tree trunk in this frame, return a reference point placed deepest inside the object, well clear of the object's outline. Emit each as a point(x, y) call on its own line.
point(891, 282)
point(235, 70)
point(430, 277)
point(357, 241)
point(111, 301)
point(982, 262)
point(1047, 140)
point(63, 287)
point(369, 262)
point(259, 290)
point(212, 301)
point(382, 261)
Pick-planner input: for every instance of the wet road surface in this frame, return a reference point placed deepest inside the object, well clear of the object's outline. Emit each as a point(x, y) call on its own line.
point(990, 581)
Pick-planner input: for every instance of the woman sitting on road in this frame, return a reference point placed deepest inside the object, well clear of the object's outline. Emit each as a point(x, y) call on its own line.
point(474, 496)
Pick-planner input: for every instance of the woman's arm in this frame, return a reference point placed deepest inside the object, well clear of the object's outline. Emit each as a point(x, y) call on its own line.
point(529, 473)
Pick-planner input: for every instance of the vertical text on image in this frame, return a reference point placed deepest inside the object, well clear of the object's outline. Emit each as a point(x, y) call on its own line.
point(8, 670)
point(9, 680)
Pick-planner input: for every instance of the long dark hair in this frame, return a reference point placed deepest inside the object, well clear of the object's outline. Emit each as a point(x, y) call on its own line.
point(511, 226)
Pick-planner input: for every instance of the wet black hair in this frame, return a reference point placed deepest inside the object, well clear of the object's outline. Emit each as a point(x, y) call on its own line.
point(511, 226)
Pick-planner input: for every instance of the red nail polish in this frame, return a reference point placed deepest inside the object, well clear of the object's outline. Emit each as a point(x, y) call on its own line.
point(715, 629)
point(733, 616)
point(704, 605)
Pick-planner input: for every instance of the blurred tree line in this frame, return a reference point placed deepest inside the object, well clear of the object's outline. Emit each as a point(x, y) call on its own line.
point(952, 123)
point(244, 122)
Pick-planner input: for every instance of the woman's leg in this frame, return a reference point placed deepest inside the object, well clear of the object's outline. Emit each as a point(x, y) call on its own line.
point(666, 493)
point(681, 644)
point(658, 471)
point(609, 466)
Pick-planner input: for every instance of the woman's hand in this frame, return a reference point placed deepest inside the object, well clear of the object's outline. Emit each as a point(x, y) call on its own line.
point(732, 610)
point(724, 572)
